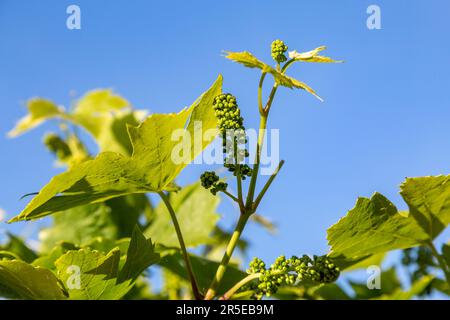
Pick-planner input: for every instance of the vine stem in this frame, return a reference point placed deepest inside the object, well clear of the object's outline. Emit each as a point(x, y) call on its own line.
point(246, 280)
point(231, 196)
point(260, 87)
point(267, 185)
point(252, 186)
point(187, 260)
point(238, 285)
point(440, 260)
point(261, 134)
point(238, 174)
point(211, 293)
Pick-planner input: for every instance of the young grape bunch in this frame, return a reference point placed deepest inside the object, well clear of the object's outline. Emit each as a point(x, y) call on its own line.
point(279, 49)
point(231, 127)
point(289, 272)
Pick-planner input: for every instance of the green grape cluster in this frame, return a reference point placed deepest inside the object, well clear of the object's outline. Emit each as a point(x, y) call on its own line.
point(57, 145)
point(230, 121)
point(231, 127)
point(210, 180)
point(227, 112)
point(284, 271)
point(278, 50)
point(319, 269)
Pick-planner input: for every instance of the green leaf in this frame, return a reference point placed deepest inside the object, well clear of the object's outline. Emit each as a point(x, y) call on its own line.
point(99, 275)
point(100, 112)
point(47, 260)
point(373, 226)
point(149, 169)
point(39, 110)
point(17, 247)
point(250, 61)
point(90, 275)
point(100, 101)
point(85, 224)
point(312, 56)
point(80, 226)
point(27, 282)
point(428, 199)
point(127, 211)
point(376, 259)
point(110, 129)
point(196, 213)
point(140, 256)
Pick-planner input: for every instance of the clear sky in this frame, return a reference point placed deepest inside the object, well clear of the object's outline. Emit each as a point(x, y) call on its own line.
point(385, 115)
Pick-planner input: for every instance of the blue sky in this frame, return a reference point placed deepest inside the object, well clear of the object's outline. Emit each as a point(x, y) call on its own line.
point(385, 115)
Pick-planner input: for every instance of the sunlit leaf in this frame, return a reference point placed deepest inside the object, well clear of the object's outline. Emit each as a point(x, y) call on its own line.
point(18, 248)
point(39, 110)
point(102, 113)
point(99, 275)
point(100, 101)
point(250, 61)
point(428, 199)
point(312, 56)
point(151, 167)
point(79, 225)
point(91, 275)
point(140, 255)
point(28, 282)
point(372, 260)
point(373, 226)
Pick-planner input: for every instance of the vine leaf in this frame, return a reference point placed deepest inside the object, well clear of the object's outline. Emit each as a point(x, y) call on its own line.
point(250, 61)
point(428, 199)
point(98, 274)
point(22, 280)
point(39, 110)
point(140, 255)
point(196, 213)
point(100, 101)
point(85, 225)
point(312, 56)
point(80, 226)
point(90, 275)
point(100, 112)
point(18, 248)
point(375, 259)
point(373, 226)
point(149, 169)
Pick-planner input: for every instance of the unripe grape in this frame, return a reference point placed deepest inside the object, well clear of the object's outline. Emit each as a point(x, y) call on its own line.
point(278, 50)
